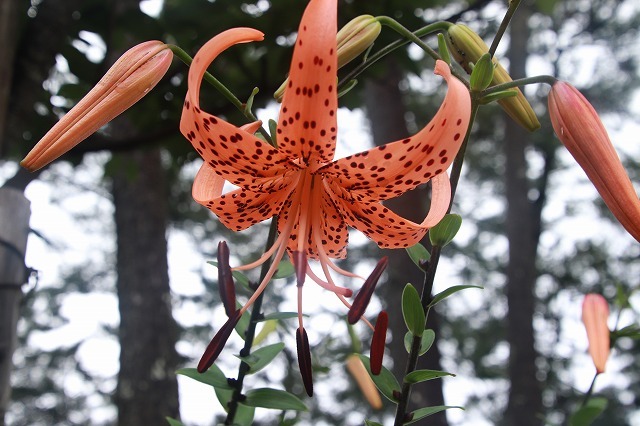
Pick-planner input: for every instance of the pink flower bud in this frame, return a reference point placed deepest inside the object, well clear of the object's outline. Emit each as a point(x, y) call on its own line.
point(126, 82)
point(595, 312)
point(579, 128)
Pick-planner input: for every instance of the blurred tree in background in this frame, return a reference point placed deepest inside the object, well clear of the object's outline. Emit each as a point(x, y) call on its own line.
point(519, 197)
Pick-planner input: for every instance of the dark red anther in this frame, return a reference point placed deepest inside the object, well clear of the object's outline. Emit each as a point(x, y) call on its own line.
point(217, 343)
point(304, 360)
point(378, 341)
point(363, 297)
point(300, 265)
point(226, 285)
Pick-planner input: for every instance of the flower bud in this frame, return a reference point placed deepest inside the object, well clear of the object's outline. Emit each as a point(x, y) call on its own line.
point(359, 372)
point(356, 37)
point(133, 75)
point(595, 312)
point(467, 47)
point(579, 128)
point(353, 39)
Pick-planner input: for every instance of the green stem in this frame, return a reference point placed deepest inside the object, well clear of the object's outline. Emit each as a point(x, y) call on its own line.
point(548, 79)
point(184, 57)
point(429, 29)
point(587, 395)
point(256, 316)
point(513, 6)
point(429, 278)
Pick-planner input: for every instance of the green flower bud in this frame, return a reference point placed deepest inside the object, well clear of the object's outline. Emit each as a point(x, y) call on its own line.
point(467, 48)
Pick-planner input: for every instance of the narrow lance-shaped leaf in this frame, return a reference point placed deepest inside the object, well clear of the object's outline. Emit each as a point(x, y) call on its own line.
point(386, 382)
point(412, 310)
point(273, 398)
point(448, 292)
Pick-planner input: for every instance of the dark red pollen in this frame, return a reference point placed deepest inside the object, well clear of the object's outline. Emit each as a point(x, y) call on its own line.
point(378, 341)
point(226, 286)
point(363, 297)
point(304, 360)
point(217, 343)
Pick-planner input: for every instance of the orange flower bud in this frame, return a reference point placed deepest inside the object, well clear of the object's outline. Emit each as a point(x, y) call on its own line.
point(579, 128)
point(132, 76)
point(595, 312)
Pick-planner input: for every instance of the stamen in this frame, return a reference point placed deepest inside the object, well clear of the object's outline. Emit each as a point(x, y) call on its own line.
point(363, 297)
point(304, 359)
point(226, 285)
point(377, 342)
point(346, 292)
point(217, 343)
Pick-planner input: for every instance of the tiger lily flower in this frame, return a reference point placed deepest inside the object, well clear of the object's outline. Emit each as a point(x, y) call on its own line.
point(595, 312)
point(577, 125)
point(314, 197)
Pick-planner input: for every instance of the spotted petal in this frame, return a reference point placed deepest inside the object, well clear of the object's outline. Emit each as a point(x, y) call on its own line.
point(390, 170)
point(307, 123)
point(390, 230)
point(234, 153)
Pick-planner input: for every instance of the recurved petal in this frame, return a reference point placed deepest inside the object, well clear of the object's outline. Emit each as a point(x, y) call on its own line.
point(234, 153)
point(307, 123)
point(390, 170)
point(388, 229)
point(579, 128)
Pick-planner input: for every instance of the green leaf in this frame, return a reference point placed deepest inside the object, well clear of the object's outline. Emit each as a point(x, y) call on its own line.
point(442, 234)
point(224, 396)
point(448, 292)
point(385, 381)
point(244, 415)
point(494, 97)
point(274, 398)
point(418, 254)
point(285, 269)
point(212, 377)
point(632, 331)
point(371, 423)
point(443, 51)
point(174, 422)
point(427, 340)
point(418, 376)
point(412, 310)
point(260, 358)
point(482, 74)
point(588, 413)
point(243, 324)
point(421, 413)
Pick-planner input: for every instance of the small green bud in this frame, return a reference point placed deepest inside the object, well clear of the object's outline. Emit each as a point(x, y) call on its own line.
point(443, 50)
point(467, 48)
point(482, 74)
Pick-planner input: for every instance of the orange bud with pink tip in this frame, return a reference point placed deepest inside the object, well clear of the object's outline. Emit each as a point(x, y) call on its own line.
point(579, 128)
point(133, 75)
point(595, 312)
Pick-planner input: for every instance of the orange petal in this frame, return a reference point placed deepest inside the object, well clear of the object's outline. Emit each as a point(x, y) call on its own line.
point(307, 123)
point(390, 230)
point(579, 128)
point(234, 153)
point(133, 75)
point(390, 170)
point(595, 313)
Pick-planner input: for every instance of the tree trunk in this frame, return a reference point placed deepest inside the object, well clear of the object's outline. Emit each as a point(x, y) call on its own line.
point(147, 389)
point(8, 26)
point(525, 397)
point(14, 228)
point(386, 111)
point(147, 386)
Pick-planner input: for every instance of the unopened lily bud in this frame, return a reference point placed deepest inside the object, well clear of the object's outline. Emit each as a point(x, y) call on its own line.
point(467, 48)
point(356, 37)
point(579, 128)
point(595, 313)
point(353, 39)
point(359, 372)
point(132, 76)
